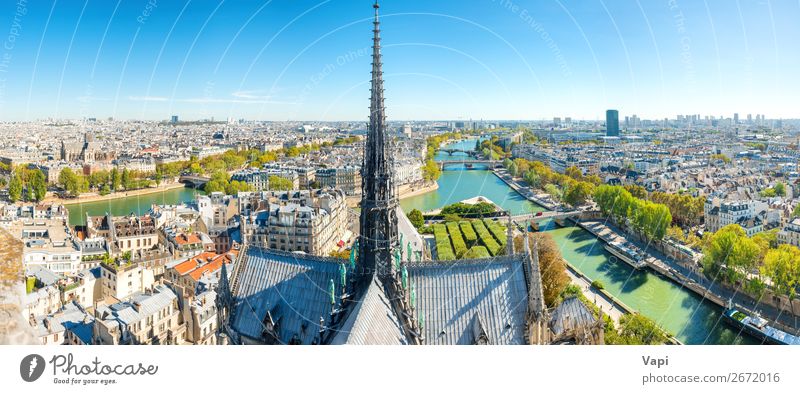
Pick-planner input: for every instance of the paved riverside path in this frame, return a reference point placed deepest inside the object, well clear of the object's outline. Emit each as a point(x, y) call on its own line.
point(599, 299)
point(694, 280)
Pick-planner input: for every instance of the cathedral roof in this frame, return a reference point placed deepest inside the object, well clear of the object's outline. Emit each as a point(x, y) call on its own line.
point(372, 322)
point(291, 290)
point(451, 297)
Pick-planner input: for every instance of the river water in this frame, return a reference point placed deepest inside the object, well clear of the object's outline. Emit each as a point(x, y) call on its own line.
point(681, 312)
point(127, 205)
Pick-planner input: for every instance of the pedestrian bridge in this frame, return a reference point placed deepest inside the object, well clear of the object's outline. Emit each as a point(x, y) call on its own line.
point(450, 152)
point(550, 215)
point(491, 164)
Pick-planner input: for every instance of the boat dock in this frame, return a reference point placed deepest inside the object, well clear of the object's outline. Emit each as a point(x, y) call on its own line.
point(693, 280)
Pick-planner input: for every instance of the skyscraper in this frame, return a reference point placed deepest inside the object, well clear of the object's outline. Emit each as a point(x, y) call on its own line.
point(612, 123)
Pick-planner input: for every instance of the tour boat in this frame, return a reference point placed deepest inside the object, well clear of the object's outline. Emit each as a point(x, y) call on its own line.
point(759, 328)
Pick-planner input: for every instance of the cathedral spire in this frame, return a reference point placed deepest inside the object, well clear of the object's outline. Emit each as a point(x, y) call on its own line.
point(379, 235)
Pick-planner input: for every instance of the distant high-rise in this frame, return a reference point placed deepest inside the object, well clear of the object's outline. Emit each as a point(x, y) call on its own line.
point(612, 123)
point(174, 119)
point(736, 118)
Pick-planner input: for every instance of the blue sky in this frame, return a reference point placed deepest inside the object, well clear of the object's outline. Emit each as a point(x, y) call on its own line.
point(444, 59)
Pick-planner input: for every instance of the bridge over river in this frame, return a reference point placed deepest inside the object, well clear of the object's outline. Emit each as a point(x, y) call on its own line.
point(195, 182)
point(469, 163)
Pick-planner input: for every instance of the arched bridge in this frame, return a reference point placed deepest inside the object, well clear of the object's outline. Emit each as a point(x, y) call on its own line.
point(193, 181)
point(470, 152)
point(491, 164)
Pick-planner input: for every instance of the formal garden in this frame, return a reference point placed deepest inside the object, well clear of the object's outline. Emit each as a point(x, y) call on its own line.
point(469, 239)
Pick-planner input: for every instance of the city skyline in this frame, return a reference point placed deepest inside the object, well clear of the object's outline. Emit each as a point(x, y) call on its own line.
point(300, 61)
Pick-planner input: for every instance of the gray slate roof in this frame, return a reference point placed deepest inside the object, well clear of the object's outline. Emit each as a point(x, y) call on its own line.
point(372, 322)
point(450, 297)
point(293, 288)
point(571, 313)
point(140, 306)
point(43, 274)
point(70, 318)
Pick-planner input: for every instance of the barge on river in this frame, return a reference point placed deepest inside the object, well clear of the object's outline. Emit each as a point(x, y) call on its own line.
point(627, 253)
point(759, 328)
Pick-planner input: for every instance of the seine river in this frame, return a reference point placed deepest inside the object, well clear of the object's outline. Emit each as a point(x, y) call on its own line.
point(681, 312)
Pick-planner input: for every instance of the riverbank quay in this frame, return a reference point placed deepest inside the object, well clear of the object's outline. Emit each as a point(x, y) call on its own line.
point(404, 191)
point(524, 190)
point(691, 278)
point(407, 191)
point(94, 197)
point(608, 304)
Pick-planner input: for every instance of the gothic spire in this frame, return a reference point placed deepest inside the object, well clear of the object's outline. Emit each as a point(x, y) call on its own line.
point(378, 200)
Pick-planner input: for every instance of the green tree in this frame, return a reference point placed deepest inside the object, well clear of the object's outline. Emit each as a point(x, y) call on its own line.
point(574, 173)
point(636, 329)
point(278, 183)
point(293, 152)
point(416, 218)
point(554, 191)
point(234, 187)
point(98, 178)
point(782, 265)
point(68, 181)
point(731, 253)
point(577, 193)
point(159, 175)
point(431, 171)
point(37, 185)
point(218, 183)
point(126, 179)
point(116, 179)
point(532, 178)
point(636, 191)
point(15, 188)
point(780, 189)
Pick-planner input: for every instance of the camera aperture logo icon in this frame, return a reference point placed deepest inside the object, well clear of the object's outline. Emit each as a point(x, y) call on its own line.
point(31, 367)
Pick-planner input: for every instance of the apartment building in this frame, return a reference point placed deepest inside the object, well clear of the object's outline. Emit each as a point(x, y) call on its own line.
point(151, 317)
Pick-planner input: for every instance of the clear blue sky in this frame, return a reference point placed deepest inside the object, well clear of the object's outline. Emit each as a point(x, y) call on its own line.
point(444, 59)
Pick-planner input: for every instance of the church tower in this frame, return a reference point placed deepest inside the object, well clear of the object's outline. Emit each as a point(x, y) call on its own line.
point(379, 234)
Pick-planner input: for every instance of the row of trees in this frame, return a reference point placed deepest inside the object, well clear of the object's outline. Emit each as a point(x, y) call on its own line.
point(732, 256)
point(430, 170)
point(686, 210)
point(27, 185)
point(461, 209)
point(572, 187)
point(646, 217)
point(778, 190)
point(221, 182)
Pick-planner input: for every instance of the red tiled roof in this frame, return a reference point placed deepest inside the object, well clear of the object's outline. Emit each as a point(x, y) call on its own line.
point(187, 239)
point(196, 266)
